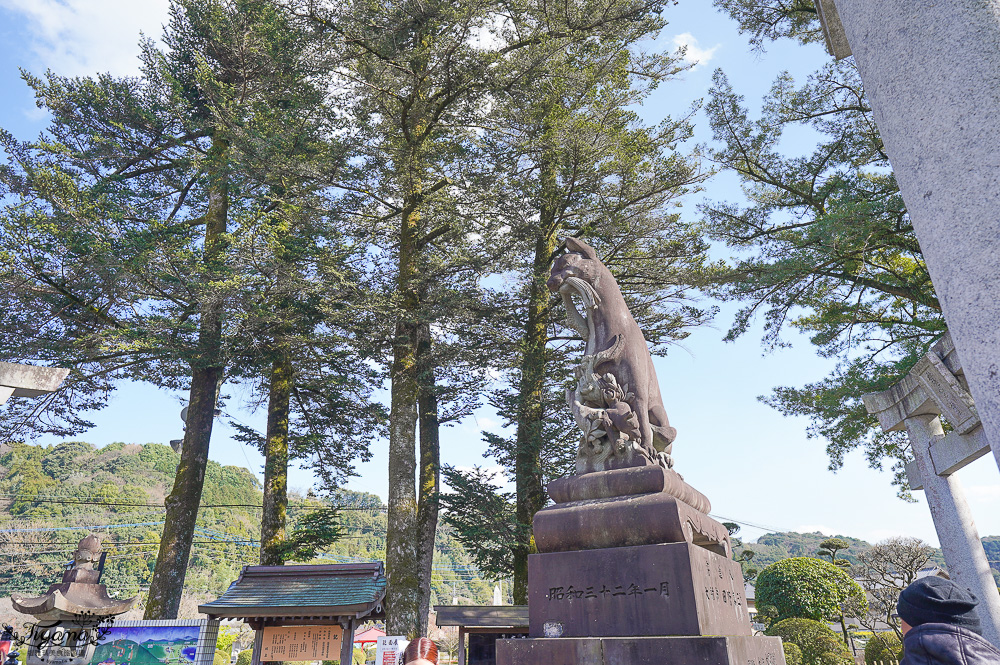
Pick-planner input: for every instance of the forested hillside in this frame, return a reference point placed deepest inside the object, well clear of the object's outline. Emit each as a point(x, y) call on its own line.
point(50, 497)
point(773, 547)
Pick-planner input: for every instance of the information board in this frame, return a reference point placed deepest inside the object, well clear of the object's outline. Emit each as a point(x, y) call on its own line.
point(388, 649)
point(301, 643)
point(163, 642)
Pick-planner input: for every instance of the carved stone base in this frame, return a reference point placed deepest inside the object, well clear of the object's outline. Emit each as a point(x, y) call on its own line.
point(626, 507)
point(671, 589)
point(646, 519)
point(642, 651)
point(627, 482)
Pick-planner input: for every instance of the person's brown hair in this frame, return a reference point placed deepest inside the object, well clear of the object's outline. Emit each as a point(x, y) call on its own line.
point(420, 648)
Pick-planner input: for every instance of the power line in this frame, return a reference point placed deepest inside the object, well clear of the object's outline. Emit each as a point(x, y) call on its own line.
point(81, 528)
point(749, 524)
point(76, 501)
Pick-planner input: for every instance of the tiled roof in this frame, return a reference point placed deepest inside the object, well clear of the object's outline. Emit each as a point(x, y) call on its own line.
point(301, 591)
point(482, 616)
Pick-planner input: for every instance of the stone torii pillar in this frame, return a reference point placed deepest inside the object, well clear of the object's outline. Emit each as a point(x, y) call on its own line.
point(936, 386)
point(28, 380)
point(931, 71)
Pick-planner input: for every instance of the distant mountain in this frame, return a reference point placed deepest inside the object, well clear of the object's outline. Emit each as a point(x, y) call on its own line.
point(51, 496)
point(773, 547)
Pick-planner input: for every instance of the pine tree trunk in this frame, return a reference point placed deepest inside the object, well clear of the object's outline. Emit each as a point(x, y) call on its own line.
point(531, 495)
point(272, 523)
point(430, 471)
point(167, 584)
point(402, 603)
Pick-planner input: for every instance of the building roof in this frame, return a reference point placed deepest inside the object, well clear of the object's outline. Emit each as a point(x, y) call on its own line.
point(302, 592)
point(370, 635)
point(482, 616)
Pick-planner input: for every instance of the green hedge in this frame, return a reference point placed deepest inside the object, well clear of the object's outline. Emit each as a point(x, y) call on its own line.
point(883, 647)
point(793, 654)
point(819, 644)
point(806, 588)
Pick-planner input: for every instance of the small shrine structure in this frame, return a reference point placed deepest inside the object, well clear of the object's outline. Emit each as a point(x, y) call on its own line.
point(303, 613)
point(484, 625)
point(72, 611)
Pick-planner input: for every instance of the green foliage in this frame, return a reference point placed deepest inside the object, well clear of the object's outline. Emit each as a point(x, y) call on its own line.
point(772, 547)
point(741, 553)
point(831, 547)
point(883, 647)
point(160, 458)
point(992, 546)
point(312, 534)
point(776, 19)
point(793, 654)
point(31, 473)
point(483, 519)
point(824, 244)
point(224, 643)
point(807, 588)
point(245, 657)
point(819, 645)
point(220, 658)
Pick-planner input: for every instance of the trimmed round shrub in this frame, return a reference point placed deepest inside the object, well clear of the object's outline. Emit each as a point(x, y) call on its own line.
point(793, 654)
point(819, 644)
point(245, 657)
point(807, 588)
point(883, 647)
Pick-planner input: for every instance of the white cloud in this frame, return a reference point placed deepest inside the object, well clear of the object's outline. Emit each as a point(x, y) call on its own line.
point(80, 37)
point(813, 528)
point(487, 423)
point(691, 53)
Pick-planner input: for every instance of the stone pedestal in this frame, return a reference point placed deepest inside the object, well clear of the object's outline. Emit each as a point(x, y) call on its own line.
point(667, 589)
point(627, 572)
point(643, 651)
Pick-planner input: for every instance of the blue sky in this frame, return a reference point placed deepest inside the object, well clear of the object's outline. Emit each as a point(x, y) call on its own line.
point(755, 465)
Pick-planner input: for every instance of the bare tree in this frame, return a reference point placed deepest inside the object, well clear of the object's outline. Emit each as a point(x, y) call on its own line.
point(883, 572)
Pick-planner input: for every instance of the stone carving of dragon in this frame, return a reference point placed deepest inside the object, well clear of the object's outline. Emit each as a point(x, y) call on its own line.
point(616, 401)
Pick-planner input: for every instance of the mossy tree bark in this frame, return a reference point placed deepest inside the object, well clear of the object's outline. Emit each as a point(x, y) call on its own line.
point(531, 494)
point(167, 584)
point(272, 524)
point(402, 561)
point(429, 481)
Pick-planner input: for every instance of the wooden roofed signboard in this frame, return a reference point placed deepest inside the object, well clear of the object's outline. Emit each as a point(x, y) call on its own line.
point(302, 595)
point(303, 613)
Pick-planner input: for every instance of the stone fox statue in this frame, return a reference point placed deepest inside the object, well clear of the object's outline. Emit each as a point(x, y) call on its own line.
point(617, 400)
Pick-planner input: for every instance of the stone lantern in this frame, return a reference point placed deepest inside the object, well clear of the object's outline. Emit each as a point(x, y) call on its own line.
point(70, 614)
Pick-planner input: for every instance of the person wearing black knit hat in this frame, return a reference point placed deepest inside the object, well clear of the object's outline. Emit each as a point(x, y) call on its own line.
point(941, 626)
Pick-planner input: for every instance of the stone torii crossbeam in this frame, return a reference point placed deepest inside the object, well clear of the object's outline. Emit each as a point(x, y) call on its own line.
point(18, 380)
point(936, 387)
